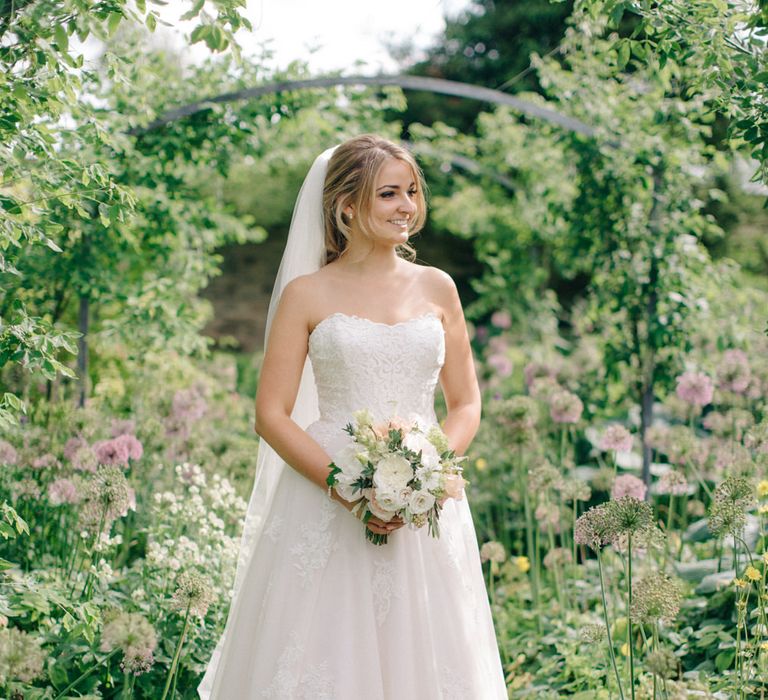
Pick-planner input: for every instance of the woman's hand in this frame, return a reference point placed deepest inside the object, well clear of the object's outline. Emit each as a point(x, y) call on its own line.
point(374, 524)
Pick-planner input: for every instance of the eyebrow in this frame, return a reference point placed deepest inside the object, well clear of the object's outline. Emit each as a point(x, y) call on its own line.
point(395, 187)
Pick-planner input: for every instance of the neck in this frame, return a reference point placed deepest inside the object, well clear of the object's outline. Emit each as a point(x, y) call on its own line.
point(362, 257)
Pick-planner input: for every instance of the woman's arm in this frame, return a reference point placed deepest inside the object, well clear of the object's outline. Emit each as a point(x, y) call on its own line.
point(279, 381)
point(457, 378)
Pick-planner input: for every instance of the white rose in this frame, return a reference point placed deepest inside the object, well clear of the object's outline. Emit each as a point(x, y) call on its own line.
point(392, 474)
point(378, 509)
point(394, 500)
point(421, 501)
point(418, 443)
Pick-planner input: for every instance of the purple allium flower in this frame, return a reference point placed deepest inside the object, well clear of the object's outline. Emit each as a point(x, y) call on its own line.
point(45, 461)
point(188, 406)
point(673, 483)
point(62, 491)
point(8, 455)
point(628, 485)
point(135, 636)
point(695, 388)
point(565, 407)
point(616, 437)
point(733, 374)
point(123, 427)
point(131, 443)
point(501, 364)
point(498, 344)
point(501, 319)
point(74, 444)
point(538, 370)
point(593, 528)
point(112, 452)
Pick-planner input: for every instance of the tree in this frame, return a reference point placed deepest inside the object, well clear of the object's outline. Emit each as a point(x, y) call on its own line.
point(616, 218)
point(40, 98)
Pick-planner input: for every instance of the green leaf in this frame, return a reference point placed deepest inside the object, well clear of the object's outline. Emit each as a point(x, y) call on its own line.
point(724, 659)
point(5, 564)
point(200, 33)
point(151, 22)
point(113, 22)
point(623, 53)
point(60, 37)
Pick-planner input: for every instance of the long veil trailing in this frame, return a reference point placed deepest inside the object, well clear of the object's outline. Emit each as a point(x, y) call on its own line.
point(304, 253)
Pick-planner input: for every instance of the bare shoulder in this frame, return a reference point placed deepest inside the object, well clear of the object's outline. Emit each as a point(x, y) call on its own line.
point(439, 287)
point(299, 296)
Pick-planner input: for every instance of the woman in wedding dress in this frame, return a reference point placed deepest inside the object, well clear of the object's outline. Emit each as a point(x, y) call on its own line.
point(319, 612)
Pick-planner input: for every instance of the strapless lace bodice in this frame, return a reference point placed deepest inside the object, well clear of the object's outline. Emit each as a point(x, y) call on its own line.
point(388, 369)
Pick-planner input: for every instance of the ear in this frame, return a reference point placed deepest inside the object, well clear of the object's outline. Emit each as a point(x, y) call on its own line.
point(349, 210)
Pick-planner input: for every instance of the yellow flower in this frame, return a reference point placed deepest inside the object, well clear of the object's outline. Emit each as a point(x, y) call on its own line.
point(481, 464)
point(625, 649)
point(765, 557)
point(753, 574)
point(764, 646)
point(522, 564)
point(739, 582)
point(762, 488)
point(763, 509)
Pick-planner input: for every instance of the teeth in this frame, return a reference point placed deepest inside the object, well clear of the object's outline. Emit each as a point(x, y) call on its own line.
point(399, 222)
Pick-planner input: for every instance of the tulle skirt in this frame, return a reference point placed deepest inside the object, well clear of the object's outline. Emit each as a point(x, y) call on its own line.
point(326, 615)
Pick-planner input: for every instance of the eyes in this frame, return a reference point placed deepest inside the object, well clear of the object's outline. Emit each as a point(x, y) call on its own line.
point(391, 193)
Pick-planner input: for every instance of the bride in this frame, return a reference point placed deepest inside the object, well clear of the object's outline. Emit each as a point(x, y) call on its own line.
point(319, 612)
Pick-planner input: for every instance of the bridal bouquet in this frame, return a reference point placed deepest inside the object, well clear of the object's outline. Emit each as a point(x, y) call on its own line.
point(394, 469)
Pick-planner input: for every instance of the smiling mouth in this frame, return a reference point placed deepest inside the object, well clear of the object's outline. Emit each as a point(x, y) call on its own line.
point(399, 222)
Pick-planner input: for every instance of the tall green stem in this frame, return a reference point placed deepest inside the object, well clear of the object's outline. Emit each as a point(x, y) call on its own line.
point(86, 673)
point(608, 625)
point(176, 655)
point(630, 638)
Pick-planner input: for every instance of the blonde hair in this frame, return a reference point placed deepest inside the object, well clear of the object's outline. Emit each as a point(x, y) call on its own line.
point(351, 179)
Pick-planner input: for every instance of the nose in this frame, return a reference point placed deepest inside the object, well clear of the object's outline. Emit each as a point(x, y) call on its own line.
point(407, 205)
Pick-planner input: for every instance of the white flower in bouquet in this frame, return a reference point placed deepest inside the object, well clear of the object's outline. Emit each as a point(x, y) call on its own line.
point(429, 477)
point(420, 502)
point(416, 442)
point(381, 504)
point(392, 474)
point(350, 460)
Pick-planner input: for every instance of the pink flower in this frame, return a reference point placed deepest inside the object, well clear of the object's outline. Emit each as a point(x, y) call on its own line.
point(673, 483)
point(695, 388)
point(628, 485)
point(45, 461)
point(501, 319)
point(188, 406)
point(616, 437)
point(73, 446)
point(84, 460)
point(501, 364)
point(134, 447)
point(538, 370)
point(454, 486)
point(8, 455)
point(62, 491)
point(123, 427)
point(498, 344)
point(733, 374)
point(111, 452)
point(565, 407)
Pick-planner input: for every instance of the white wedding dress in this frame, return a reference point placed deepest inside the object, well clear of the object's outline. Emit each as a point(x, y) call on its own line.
point(327, 615)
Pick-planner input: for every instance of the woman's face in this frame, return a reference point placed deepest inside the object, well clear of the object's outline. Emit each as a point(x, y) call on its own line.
point(394, 204)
